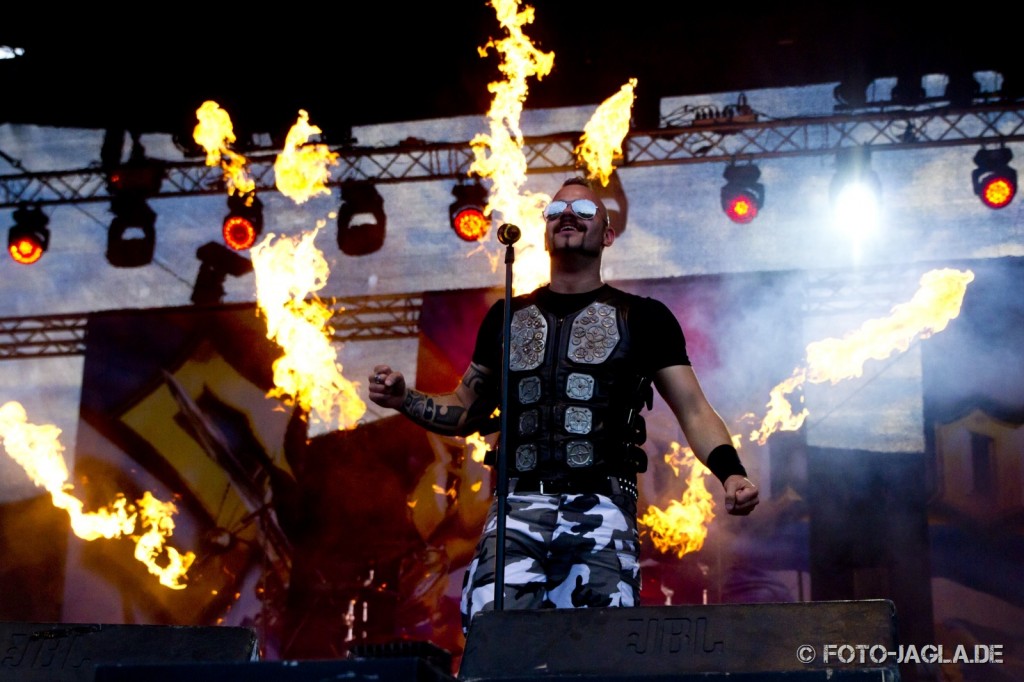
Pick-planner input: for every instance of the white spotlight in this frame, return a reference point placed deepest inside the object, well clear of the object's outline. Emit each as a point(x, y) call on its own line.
point(855, 193)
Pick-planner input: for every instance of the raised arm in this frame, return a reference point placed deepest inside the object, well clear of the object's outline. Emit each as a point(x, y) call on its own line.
point(459, 413)
point(707, 434)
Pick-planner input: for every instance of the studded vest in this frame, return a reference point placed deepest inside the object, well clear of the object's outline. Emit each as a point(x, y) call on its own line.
point(576, 392)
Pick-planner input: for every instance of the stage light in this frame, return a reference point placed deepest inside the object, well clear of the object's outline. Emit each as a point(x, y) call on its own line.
point(852, 93)
point(908, 89)
point(131, 238)
point(994, 181)
point(742, 195)
point(466, 213)
point(855, 191)
point(962, 88)
point(139, 176)
point(29, 237)
point(360, 199)
point(244, 222)
point(216, 263)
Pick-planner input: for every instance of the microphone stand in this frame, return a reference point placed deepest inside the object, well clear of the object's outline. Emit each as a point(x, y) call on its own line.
point(508, 235)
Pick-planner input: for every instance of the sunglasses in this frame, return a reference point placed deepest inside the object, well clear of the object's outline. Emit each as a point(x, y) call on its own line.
point(584, 208)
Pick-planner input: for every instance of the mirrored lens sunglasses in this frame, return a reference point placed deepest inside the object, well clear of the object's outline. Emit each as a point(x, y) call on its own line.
point(584, 208)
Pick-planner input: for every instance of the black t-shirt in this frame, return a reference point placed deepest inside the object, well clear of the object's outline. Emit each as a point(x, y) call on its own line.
point(654, 331)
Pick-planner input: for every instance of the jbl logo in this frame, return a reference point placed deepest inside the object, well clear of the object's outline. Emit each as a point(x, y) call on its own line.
point(656, 636)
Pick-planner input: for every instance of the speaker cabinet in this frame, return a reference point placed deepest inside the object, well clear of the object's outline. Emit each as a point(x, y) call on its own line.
point(61, 652)
point(787, 640)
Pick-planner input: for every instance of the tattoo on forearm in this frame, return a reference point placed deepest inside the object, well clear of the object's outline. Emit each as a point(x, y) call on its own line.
point(423, 410)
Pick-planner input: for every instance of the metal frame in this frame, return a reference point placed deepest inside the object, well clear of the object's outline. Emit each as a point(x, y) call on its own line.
point(357, 318)
point(698, 143)
point(397, 316)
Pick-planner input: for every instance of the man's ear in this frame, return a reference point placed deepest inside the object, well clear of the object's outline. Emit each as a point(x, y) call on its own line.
point(609, 236)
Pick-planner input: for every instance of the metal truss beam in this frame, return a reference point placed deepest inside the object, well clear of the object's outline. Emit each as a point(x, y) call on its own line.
point(373, 318)
point(46, 336)
point(366, 318)
point(396, 316)
point(701, 142)
point(864, 292)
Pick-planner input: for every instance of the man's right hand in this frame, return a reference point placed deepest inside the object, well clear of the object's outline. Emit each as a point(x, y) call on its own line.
point(387, 387)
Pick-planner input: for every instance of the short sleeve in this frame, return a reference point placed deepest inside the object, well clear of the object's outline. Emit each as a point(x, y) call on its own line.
point(657, 334)
point(487, 352)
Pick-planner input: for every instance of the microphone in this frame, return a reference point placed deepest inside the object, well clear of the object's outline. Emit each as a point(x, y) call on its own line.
point(509, 234)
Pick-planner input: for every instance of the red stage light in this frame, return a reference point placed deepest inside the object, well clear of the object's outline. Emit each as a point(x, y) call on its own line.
point(741, 208)
point(997, 191)
point(239, 233)
point(742, 196)
point(994, 181)
point(470, 224)
point(244, 222)
point(467, 212)
point(29, 238)
point(26, 250)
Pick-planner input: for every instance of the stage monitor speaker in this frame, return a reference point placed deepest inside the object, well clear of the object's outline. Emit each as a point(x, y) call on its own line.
point(68, 652)
point(383, 670)
point(739, 641)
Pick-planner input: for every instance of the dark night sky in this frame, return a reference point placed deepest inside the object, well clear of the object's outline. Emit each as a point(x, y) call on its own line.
point(382, 63)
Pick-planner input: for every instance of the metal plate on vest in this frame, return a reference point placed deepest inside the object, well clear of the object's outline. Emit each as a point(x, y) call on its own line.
point(595, 333)
point(529, 332)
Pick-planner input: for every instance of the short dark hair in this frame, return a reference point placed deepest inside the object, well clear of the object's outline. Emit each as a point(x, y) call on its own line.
point(579, 180)
point(586, 182)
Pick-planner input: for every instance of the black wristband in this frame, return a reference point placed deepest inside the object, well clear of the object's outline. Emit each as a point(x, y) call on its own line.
point(724, 462)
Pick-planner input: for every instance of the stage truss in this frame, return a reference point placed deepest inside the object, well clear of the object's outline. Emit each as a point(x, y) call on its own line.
point(369, 318)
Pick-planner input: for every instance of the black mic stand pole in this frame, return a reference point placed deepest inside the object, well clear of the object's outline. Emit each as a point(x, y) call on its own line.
point(508, 235)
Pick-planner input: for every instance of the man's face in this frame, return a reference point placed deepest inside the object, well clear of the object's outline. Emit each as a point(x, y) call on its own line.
point(569, 232)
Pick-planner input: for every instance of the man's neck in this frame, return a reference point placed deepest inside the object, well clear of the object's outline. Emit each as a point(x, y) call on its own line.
point(578, 282)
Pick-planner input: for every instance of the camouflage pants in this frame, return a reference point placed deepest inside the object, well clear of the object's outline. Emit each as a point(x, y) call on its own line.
point(561, 551)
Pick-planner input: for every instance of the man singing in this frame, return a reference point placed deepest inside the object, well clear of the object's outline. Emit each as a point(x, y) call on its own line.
point(583, 357)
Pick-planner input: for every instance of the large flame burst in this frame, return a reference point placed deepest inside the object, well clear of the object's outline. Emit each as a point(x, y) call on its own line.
point(499, 154)
point(601, 144)
point(38, 450)
point(936, 302)
point(302, 170)
point(289, 271)
point(215, 133)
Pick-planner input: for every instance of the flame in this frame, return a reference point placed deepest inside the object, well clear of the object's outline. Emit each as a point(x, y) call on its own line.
point(301, 170)
point(157, 523)
point(936, 302)
point(682, 526)
point(478, 447)
point(601, 144)
point(780, 413)
point(499, 154)
point(214, 133)
point(289, 271)
point(38, 450)
point(450, 493)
